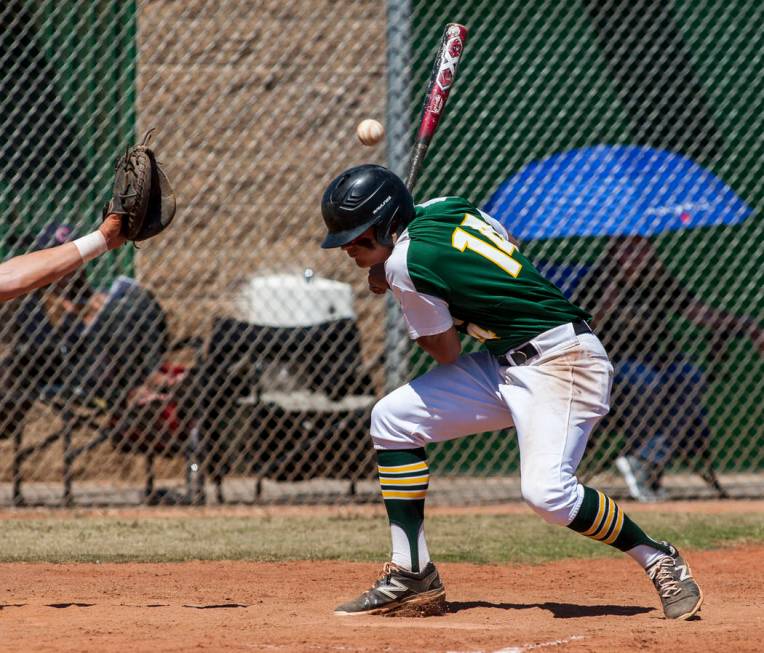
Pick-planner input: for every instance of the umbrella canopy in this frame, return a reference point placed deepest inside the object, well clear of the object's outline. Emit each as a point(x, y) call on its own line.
point(613, 190)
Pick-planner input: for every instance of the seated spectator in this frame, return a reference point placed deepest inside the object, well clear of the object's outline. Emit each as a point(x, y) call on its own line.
point(54, 336)
point(658, 390)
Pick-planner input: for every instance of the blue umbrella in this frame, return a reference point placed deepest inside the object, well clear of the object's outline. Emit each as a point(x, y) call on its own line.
point(613, 190)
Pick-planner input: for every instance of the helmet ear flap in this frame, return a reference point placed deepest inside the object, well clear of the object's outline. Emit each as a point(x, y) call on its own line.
point(383, 231)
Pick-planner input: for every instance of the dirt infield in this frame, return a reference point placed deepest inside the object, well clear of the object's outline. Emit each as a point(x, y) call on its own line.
point(600, 605)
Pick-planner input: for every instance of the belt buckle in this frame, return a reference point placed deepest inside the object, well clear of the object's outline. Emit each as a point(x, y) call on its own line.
point(521, 355)
point(524, 353)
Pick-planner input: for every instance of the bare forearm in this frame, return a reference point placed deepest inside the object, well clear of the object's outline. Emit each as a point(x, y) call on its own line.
point(713, 318)
point(443, 347)
point(27, 272)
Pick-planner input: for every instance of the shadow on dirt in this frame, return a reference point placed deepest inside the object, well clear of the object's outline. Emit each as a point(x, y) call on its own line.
point(559, 610)
point(215, 606)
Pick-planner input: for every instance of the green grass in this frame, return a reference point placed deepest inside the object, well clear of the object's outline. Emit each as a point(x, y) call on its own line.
point(466, 538)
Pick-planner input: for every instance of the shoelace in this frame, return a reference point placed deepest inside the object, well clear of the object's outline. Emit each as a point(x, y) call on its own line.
point(384, 577)
point(662, 574)
point(387, 571)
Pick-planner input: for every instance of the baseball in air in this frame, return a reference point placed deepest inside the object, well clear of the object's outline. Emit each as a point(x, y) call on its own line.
point(370, 132)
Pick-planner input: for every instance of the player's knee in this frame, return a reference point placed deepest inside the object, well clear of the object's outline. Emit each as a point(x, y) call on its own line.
point(389, 427)
point(382, 415)
point(552, 501)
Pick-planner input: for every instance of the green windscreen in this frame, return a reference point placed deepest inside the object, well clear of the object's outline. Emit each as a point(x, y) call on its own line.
point(539, 78)
point(67, 107)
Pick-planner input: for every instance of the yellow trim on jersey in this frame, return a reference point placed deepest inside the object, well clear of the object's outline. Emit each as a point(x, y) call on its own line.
point(401, 494)
point(402, 469)
point(600, 511)
point(409, 480)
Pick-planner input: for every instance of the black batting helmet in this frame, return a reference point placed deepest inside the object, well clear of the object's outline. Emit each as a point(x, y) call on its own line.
point(362, 197)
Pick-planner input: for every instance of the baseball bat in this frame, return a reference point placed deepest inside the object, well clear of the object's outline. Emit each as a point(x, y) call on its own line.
point(438, 89)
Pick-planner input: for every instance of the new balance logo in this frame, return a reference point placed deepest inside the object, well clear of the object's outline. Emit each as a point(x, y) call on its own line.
point(390, 589)
point(684, 572)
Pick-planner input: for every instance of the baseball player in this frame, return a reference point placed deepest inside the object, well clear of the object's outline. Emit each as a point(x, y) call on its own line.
point(453, 268)
point(27, 272)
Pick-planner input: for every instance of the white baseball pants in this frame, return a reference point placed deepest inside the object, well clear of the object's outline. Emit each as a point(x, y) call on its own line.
point(554, 402)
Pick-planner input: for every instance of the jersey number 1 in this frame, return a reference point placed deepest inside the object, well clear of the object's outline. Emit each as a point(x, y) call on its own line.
point(500, 255)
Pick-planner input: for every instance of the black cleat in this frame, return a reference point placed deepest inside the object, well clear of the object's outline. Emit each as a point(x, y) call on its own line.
point(680, 595)
point(402, 593)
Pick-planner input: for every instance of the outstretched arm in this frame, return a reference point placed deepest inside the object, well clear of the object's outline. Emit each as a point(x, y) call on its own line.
point(723, 322)
point(27, 272)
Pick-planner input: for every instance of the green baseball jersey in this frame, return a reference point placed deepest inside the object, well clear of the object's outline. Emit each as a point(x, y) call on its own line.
point(454, 265)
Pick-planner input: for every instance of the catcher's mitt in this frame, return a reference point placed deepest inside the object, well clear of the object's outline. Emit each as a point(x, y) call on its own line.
point(141, 194)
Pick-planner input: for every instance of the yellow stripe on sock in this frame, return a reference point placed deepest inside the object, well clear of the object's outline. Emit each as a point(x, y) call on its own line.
point(409, 480)
point(402, 494)
point(402, 469)
point(617, 530)
point(602, 532)
point(600, 511)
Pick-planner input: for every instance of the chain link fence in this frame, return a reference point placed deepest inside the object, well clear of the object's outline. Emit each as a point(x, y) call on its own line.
point(231, 360)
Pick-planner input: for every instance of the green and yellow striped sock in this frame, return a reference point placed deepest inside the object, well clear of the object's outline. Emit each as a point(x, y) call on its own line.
point(602, 519)
point(404, 476)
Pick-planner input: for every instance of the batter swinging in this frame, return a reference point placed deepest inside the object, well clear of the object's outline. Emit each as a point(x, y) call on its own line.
point(451, 267)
